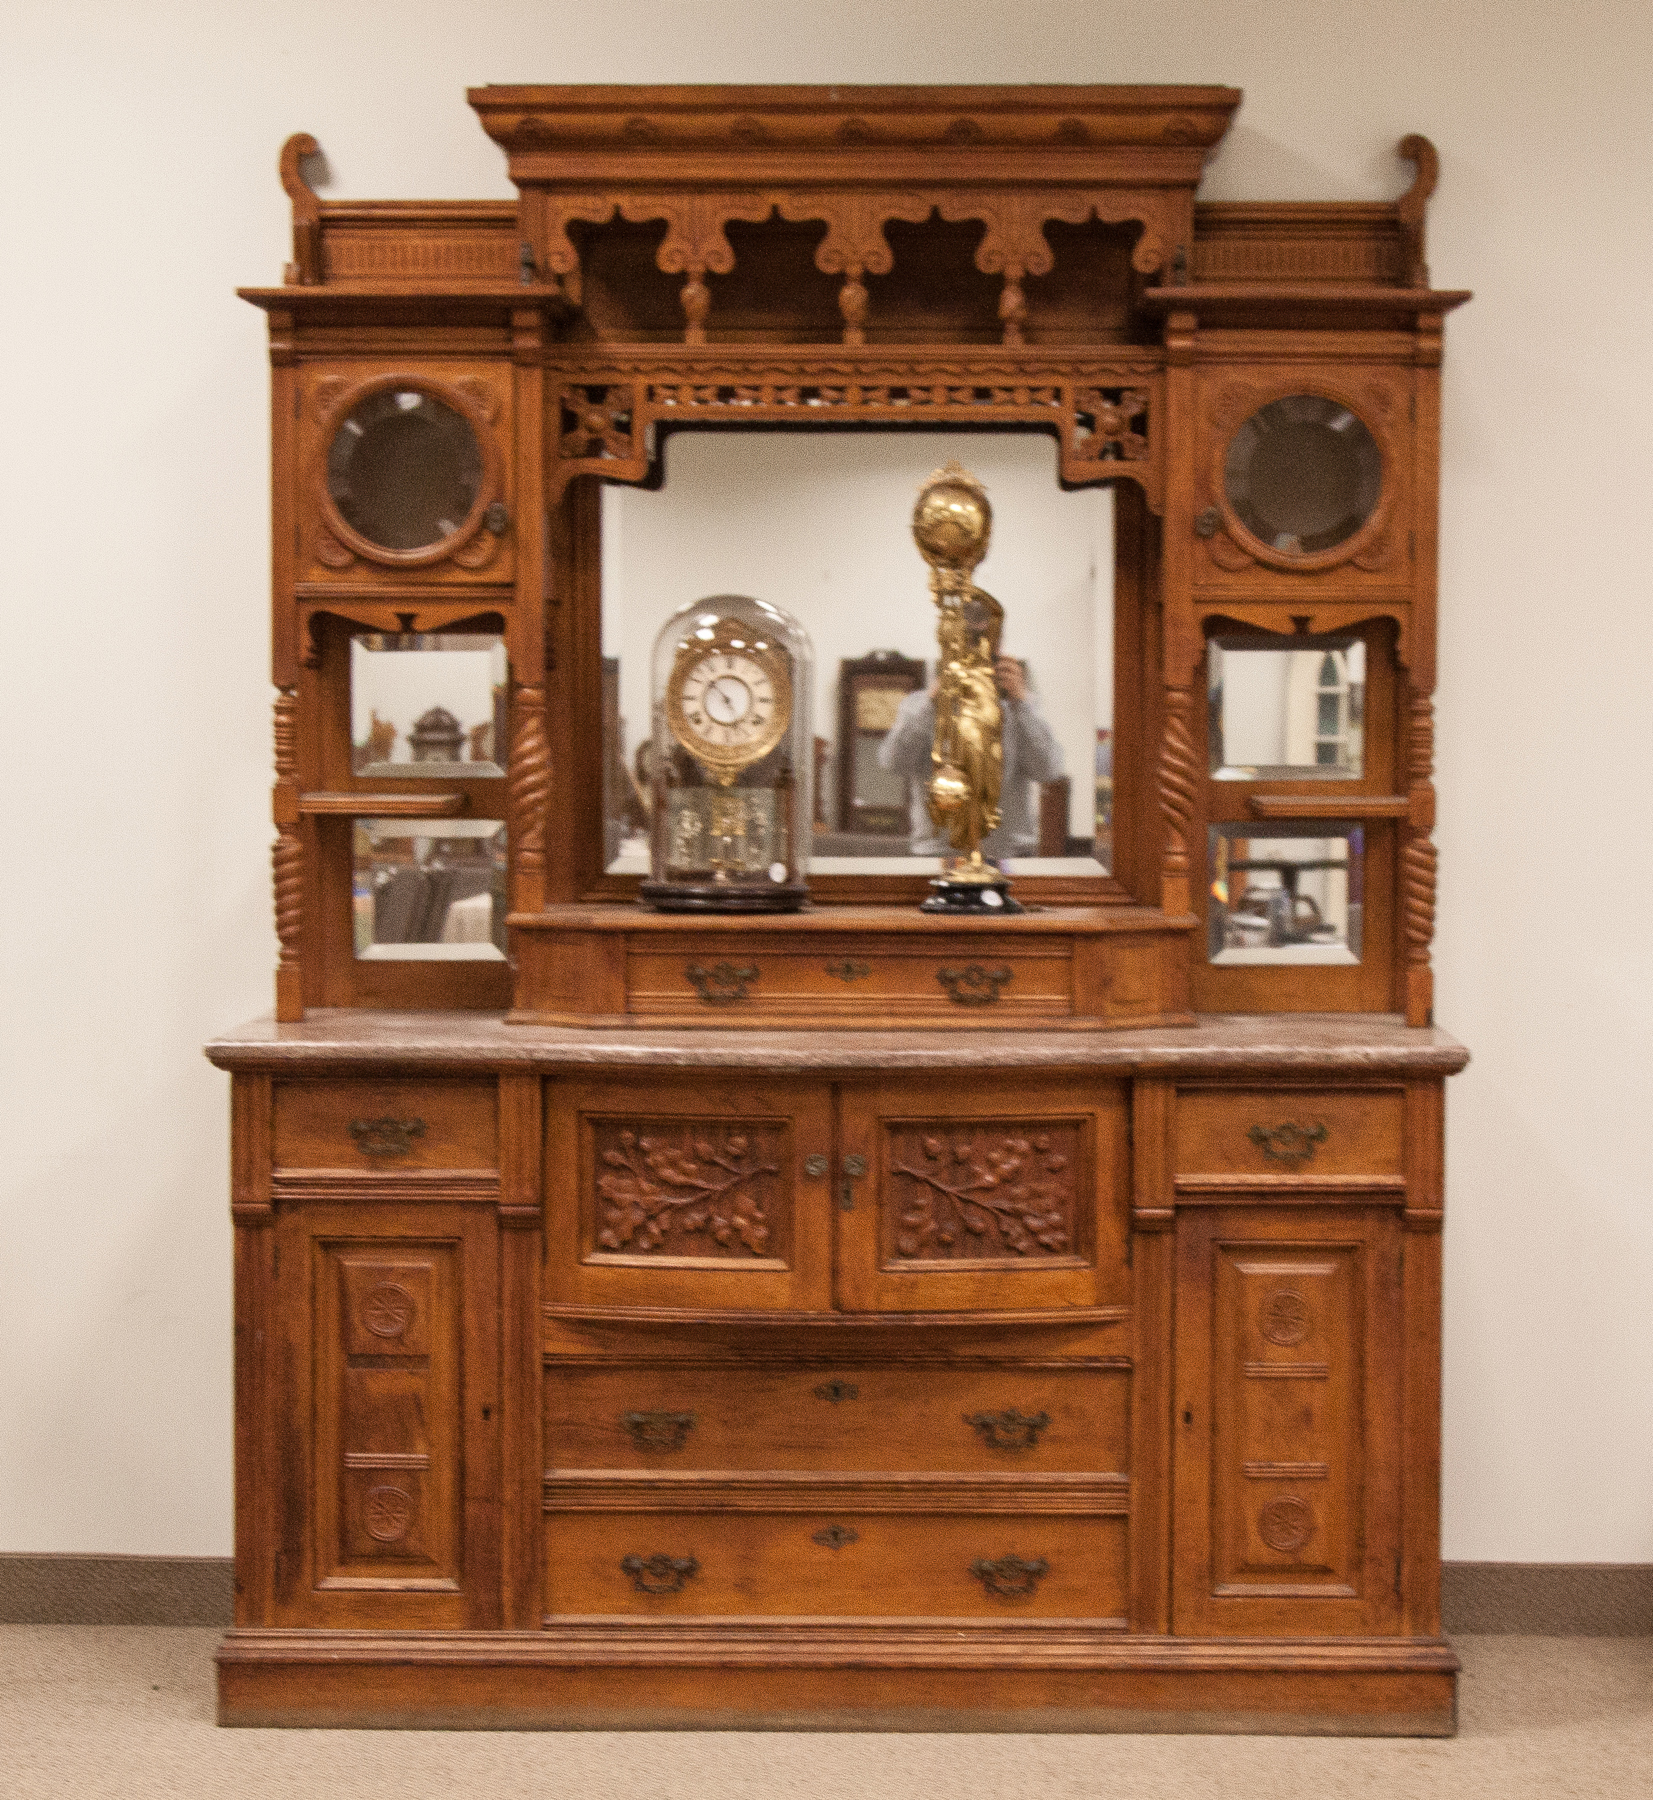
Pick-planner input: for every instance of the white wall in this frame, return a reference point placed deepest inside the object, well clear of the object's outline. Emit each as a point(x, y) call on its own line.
point(139, 146)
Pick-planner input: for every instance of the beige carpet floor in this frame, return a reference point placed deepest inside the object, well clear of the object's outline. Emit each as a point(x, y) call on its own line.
point(89, 1711)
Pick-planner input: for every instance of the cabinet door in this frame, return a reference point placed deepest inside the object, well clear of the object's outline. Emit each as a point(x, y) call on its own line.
point(704, 1194)
point(992, 1195)
point(387, 1442)
point(1287, 1422)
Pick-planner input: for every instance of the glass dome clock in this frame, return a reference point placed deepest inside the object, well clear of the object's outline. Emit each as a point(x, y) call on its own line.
point(730, 767)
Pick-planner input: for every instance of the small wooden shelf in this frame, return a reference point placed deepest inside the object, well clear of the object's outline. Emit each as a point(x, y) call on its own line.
point(1329, 806)
point(383, 806)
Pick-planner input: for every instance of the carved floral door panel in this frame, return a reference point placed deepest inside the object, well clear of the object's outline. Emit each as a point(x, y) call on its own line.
point(1002, 1195)
point(702, 1194)
point(1287, 1422)
point(387, 1498)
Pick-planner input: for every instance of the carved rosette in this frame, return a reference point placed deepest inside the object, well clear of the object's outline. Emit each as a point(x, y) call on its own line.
point(388, 1514)
point(985, 1194)
point(1286, 1525)
point(697, 1188)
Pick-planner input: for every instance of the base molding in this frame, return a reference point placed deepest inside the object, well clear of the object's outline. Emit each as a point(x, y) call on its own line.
point(835, 1675)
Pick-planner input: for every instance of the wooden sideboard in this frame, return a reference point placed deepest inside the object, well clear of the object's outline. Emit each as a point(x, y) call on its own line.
point(747, 1378)
point(845, 1317)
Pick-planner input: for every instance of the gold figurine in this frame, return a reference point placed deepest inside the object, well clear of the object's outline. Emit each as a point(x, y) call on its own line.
point(952, 522)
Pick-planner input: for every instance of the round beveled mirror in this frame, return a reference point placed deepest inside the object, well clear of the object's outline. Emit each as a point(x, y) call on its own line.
point(1303, 474)
point(404, 469)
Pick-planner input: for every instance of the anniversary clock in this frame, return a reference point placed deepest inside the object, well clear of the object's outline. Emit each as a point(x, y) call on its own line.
point(730, 781)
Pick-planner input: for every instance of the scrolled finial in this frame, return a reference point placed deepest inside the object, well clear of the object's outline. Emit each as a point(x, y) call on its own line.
point(305, 268)
point(1412, 207)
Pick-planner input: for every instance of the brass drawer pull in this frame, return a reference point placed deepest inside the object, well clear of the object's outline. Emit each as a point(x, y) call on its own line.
point(834, 1537)
point(1010, 1578)
point(386, 1137)
point(660, 1574)
point(658, 1430)
point(722, 984)
point(1290, 1143)
point(837, 1390)
point(847, 972)
point(973, 985)
point(1010, 1430)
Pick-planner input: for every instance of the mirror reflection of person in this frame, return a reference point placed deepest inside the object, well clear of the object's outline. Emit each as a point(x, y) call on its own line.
point(1031, 755)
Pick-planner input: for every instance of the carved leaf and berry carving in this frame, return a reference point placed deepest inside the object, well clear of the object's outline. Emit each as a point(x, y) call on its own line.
point(687, 1189)
point(983, 1193)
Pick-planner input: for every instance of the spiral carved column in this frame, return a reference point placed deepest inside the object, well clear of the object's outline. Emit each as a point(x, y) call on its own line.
point(1177, 788)
point(287, 860)
point(530, 790)
point(1418, 861)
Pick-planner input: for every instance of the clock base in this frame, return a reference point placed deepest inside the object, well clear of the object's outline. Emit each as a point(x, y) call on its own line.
point(685, 897)
point(986, 898)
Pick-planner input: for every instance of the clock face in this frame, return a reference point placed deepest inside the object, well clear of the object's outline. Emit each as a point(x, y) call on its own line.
point(728, 706)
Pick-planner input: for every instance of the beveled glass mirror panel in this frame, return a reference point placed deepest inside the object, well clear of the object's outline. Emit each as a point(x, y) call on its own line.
point(1303, 474)
point(429, 890)
point(821, 525)
point(1279, 895)
point(404, 469)
point(427, 704)
point(1287, 715)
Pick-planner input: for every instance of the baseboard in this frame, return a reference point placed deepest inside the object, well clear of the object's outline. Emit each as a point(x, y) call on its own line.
point(116, 1590)
point(1477, 1598)
point(1547, 1599)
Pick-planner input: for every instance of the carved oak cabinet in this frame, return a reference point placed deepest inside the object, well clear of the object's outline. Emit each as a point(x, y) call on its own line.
point(850, 1318)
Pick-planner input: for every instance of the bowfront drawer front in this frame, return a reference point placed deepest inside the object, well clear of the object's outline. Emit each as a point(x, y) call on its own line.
point(760, 1551)
point(385, 1125)
point(1275, 1130)
point(848, 1416)
point(974, 984)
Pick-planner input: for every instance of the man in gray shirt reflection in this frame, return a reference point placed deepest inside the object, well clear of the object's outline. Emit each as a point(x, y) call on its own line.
point(1031, 754)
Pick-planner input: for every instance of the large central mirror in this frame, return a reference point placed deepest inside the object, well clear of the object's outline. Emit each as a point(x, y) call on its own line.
point(820, 524)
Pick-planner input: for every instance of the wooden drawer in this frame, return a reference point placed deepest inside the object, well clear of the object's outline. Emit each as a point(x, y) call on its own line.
point(818, 1554)
point(1289, 1131)
point(995, 983)
point(385, 1125)
point(1004, 1419)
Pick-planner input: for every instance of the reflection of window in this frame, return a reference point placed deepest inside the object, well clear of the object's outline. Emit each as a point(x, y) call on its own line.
point(1331, 712)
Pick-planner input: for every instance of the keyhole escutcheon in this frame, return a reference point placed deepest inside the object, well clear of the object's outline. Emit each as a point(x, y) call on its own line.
point(854, 1168)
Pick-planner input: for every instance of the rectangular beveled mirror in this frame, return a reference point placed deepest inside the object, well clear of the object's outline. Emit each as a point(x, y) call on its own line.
point(429, 890)
point(819, 523)
point(1286, 893)
point(1287, 714)
point(427, 705)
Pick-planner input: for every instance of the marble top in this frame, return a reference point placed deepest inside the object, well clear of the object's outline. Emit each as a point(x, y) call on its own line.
point(1334, 1043)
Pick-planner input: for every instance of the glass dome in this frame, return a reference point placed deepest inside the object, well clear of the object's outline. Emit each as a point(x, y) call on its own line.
point(731, 760)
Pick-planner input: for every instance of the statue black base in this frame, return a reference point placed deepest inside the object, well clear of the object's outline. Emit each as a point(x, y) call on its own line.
point(976, 898)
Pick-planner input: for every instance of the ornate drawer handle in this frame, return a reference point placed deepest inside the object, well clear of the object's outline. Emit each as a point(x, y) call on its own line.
point(973, 985)
point(1009, 1430)
point(386, 1137)
point(836, 1536)
point(849, 971)
point(722, 984)
point(837, 1390)
point(658, 1430)
point(1010, 1578)
point(1289, 1143)
point(660, 1574)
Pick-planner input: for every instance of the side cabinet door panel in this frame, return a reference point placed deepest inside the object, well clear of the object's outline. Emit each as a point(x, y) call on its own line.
point(1287, 1411)
point(388, 1503)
